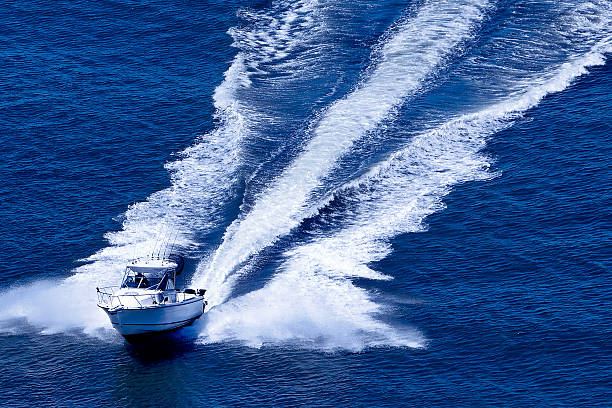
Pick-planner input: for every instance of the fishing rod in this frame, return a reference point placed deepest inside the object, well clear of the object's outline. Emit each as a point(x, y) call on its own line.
point(167, 229)
point(174, 238)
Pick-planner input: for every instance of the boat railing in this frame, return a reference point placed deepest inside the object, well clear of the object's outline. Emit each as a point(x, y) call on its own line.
point(108, 298)
point(105, 295)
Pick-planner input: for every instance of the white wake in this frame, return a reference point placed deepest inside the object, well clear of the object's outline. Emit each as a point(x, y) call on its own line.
point(409, 53)
point(312, 300)
point(202, 182)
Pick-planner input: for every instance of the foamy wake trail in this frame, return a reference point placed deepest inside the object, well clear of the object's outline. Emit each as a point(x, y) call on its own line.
point(399, 193)
point(409, 53)
point(202, 182)
point(312, 301)
point(306, 309)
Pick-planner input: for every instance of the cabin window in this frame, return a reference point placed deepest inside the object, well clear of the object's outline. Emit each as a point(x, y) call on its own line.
point(141, 281)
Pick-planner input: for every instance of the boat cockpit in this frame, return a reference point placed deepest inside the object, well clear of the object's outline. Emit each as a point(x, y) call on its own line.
point(149, 277)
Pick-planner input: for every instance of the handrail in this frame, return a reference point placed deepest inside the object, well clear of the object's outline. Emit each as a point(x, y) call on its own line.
point(106, 295)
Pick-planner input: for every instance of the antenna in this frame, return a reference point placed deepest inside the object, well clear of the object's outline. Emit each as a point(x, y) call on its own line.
point(162, 241)
point(152, 253)
point(135, 245)
point(134, 250)
point(176, 233)
point(166, 247)
point(159, 237)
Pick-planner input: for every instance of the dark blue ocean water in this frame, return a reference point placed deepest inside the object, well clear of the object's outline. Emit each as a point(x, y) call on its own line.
point(390, 203)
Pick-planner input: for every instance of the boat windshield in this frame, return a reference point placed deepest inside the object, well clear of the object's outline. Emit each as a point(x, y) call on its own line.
point(140, 280)
point(149, 275)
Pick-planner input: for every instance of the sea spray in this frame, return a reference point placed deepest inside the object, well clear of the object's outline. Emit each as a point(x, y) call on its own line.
point(202, 182)
point(407, 56)
point(312, 301)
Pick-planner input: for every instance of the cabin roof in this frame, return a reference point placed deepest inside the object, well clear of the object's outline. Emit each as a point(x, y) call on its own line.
point(152, 266)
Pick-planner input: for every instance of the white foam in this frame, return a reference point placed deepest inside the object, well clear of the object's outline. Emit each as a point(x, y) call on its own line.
point(312, 302)
point(407, 56)
point(302, 308)
point(397, 194)
point(273, 34)
point(203, 180)
point(200, 183)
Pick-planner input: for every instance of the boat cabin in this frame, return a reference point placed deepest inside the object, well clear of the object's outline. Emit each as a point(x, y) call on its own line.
point(151, 275)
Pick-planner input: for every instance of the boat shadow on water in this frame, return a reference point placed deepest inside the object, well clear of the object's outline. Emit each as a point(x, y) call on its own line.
point(161, 346)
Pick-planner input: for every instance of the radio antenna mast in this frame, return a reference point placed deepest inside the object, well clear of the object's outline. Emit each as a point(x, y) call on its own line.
point(161, 243)
point(175, 236)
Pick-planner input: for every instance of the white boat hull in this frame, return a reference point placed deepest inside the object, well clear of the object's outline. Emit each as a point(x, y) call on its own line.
point(155, 318)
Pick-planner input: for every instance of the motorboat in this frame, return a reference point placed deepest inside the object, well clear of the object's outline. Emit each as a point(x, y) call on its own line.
point(148, 301)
